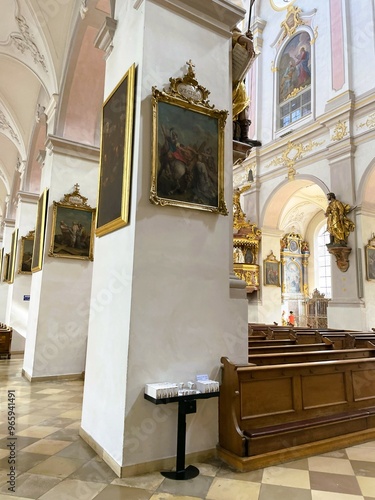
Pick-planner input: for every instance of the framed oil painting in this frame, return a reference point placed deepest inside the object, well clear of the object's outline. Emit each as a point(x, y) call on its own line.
point(295, 67)
point(12, 257)
point(1, 261)
point(116, 156)
point(40, 226)
point(187, 147)
point(370, 259)
point(6, 267)
point(73, 224)
point(26, 253)
point(271, 270)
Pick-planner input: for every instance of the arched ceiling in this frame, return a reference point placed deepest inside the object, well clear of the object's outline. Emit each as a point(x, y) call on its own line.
point(38, 39)
point(292, 206)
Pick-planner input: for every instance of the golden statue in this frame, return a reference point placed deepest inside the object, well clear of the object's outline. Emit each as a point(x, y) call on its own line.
point(338, 225)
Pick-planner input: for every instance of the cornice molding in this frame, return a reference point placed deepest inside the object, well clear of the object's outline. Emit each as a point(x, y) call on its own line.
point(220, 15)
point(73, 149)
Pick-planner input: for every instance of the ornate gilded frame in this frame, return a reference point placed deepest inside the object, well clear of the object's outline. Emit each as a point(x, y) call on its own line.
point(12, 257)
point(40, 227)
point(73, 223)
point(26, 253)
point(1, 261)
point(271, 271)
point(187, 147)
point(116, 156)
point(6, 268)
point(370, 259)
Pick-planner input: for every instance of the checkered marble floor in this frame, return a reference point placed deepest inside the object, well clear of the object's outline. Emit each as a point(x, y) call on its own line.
point(54, 463)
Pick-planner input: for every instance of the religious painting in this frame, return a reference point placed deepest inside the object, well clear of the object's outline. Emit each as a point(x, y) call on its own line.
point(115, 157)
point(6, 267)
point(188, 147)
point(26, 253)
point(271, 270)
point(370, 260)
point(72, 227)
point(1, 261)
point(12, 257)
point(292, 277)
point(40, 226)
point(295, 66)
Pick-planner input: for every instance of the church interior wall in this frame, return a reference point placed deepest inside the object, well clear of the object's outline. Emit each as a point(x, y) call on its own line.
point(19, 307)
point(173, 299)
point(59, 336)
point(155, 303)
point(362, 48)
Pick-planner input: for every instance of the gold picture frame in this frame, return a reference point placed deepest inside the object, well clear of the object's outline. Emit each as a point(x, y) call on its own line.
point(271, 271)
point(1, 261)
point(370, 259)
point(12, 257)
point(26, 253)
point(116, 156)
point(40, 227)
point(73, 223)
point(187, 147)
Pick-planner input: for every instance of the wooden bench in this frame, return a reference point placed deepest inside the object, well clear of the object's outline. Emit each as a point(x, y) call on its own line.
point(271, 414)
point(264, 349)
point(345, 340)
point(308, 356)
point(268, 342)
point(5, 341)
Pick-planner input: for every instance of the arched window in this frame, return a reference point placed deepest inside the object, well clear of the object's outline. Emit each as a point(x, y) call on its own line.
point(295, 80)
point(323, 263)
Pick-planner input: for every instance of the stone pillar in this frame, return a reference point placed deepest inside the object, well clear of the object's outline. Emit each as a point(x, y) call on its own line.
point(161, 301)
point(346, 309)
point(59, 303)
point(5, 290)
point(19, 305)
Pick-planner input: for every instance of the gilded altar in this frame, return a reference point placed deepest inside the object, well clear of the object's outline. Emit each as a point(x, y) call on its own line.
point(246, 241)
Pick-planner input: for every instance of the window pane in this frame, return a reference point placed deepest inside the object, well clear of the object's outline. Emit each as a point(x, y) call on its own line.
point(324, 263)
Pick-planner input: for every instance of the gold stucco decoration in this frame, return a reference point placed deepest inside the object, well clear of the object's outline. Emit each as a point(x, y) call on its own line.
point(292, 21)
point(291, 154)
point(340, 131)
point(369, 123)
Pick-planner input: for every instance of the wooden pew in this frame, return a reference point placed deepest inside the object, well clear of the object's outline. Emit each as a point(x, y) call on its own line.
point(309, 356)
point(345, 340)
point(264, 349)
point(272, 414)
point(5, 341)
point(268, 342)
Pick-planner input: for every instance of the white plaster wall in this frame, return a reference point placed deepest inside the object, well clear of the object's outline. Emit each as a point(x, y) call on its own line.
point(173, 318)
point(362, 48)
point(109, 323)
point(25, 222)
point(368, 228)
point(58, 313)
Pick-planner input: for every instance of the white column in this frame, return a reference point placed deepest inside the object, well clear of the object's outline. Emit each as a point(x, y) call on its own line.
point(162, 307)
point(18, 301)
point(59, 296)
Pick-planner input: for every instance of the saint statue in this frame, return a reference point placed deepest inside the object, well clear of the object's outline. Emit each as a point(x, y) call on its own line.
point(338, 224)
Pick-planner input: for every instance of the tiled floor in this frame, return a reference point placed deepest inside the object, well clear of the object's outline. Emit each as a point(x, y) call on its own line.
point(53, 463)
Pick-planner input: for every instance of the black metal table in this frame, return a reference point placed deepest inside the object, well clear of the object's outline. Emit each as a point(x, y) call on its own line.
point(186, 404)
